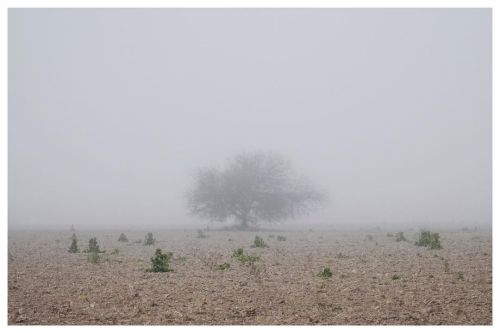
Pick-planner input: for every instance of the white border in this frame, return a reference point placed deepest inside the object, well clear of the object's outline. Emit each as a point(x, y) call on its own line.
point(251, 3)
point(232, 4)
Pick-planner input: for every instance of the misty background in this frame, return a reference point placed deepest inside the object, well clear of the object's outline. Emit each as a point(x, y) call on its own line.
point(110, 111)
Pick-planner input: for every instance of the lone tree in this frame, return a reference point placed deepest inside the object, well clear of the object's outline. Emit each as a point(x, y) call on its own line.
point(254, 187)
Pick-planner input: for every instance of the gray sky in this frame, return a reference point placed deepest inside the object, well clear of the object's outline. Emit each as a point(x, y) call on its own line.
point(111, 110)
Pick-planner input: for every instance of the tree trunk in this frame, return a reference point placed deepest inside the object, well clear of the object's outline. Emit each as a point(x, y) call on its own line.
point(244, 223)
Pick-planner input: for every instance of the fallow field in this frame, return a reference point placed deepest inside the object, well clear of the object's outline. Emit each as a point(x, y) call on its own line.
point(374, 280)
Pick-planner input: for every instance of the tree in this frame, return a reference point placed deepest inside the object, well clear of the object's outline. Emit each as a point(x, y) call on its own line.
point(254, 187)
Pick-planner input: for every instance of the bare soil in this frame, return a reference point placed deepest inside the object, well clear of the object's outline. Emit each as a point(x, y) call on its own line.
point(378, 281)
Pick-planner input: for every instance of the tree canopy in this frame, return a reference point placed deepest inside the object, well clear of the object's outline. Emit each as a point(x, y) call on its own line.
point(254, 187)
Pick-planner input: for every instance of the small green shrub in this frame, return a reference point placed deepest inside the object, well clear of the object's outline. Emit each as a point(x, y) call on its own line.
point(148, 239)
point(115, 251)
point(240, 255)
point(73, 237)
point(395, 277)
point(259, 242)
point(160, 262)
point(460, 276)
point(123, 238)
point(281, 238)
point(325, 273)
point(248, 258)
point(223, 266)
point(429, 239)
point(93, 246)
point(74, 246)
point(400, 237)
point(270, 236)
point(238, 252)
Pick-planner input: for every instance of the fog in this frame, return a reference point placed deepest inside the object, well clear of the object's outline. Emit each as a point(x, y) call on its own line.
point(111, 111)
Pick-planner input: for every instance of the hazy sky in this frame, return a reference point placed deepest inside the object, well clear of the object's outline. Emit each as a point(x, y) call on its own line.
point(111, 110)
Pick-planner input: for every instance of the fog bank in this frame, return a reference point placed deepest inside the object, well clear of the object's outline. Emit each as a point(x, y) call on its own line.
point(110, 112)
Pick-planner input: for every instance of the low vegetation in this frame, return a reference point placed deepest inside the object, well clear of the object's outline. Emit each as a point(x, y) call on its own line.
point(446, 264)
point(326, 273)
point(160, 262)
point(429, 239)
point(247, 258)
point(149, 240)
point(223, 267)
point(74, 246)
point(238, 252)
point(123, 238)
point(259, 242)
point(93, 246)
point(281, 238)
point(243, 257)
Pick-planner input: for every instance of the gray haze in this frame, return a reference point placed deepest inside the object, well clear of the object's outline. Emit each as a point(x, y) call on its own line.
point(110, 111)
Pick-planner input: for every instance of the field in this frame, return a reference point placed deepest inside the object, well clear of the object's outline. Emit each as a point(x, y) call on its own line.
point(375, 279)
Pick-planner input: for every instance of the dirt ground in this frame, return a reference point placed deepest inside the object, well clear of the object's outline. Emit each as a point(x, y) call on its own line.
point(377, 281)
